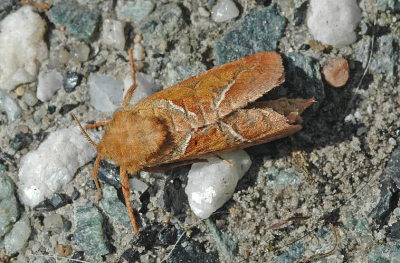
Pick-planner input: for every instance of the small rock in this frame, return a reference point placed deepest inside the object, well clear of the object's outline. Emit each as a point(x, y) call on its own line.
point(333, 22)
point(20, 91)
point(224, 10)
point(80, 53)
point(9, 106)
point(299, 13)
point(226, 244)
point(390, 185)
point(53, 222)
point(303, 79)
point(49, 83)
point(18, 237)
point(79, 255)
point(79, 21)
point(109, 173)
point(385, 254)
point(114, 208)
point(22, 47)
point(252, 35)
point(337, 72)
point(89, 233)
point(293, 253)
point(63, 250)
point(59, 200)
point(211, 184)
point(67, 226)
point(174, 196)
point(70, 81)
point(106, 93)
point(8, 204)
point(113, 33)
point(138, 52)
point(137, 185)
point(30, 98)
point(53, 164)
point(203, 11)
point(156, 235)
point(5, 7)
point(130, 255)
point(135, 11)
point(51, 109)
point(63, 56)
point(193, 252)
point(21, 140)
point(67, 108)
point(146, 86)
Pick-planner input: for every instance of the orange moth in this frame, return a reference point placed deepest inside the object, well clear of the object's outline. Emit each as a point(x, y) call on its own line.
point(212, 113)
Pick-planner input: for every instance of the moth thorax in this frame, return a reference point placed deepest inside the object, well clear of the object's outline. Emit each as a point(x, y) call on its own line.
point(131, 138)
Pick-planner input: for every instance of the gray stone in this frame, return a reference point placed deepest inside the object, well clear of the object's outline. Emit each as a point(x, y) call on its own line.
point(384, 57)
point(227, 245)
point(390, 185)
point(303, 79)
point(166, 21)
point(6, 6)
point(81, 22)
point(8, 204)
point(89, 234)
point(114, 208)
point(135, 11)
point(9, 106)
point(385, 5)
point(294, 252)
point(288, 177)
point(53, 222)
point(383, 254)
point(260, 31)
point(17, 238)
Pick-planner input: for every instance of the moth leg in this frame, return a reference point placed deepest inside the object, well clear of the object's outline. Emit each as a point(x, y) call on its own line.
point(225, 160)
point(132, 88)
point(96, 168)
point(125, 190)
point(97, 124)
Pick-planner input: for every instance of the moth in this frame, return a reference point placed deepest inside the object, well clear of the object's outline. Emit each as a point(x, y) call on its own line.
point(212, 113)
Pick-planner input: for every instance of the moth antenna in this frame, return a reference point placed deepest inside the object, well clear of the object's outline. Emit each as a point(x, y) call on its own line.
point(132, 88)
point(84, 132)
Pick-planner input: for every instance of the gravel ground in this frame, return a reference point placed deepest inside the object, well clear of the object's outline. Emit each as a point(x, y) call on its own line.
point(330, 178)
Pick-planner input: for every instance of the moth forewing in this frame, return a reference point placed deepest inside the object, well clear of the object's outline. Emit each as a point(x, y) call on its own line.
point(208, 114)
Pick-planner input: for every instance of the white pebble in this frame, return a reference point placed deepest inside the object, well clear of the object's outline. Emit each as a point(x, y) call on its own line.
point(333, 22)
point(138, 52)
point(146, 86)
point(137, 185)
point(105, 92)
point(30, 98)
point(63, 56)
point(22, 48)
point(213, 183)
point(203, 12)
point(9, 106)
point(52, 222)
point(224, 10)
point(49, 83)
point(17, 238)
point(113, 33)
point(80, 53)
point(46, 170)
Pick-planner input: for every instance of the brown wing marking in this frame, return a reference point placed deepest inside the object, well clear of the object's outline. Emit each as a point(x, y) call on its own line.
point(218, 92)
point(239, 130)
